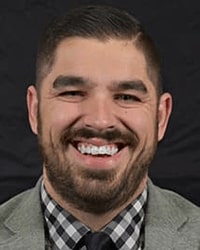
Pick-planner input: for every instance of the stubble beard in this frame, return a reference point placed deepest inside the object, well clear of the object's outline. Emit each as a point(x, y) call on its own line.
point(93, 191)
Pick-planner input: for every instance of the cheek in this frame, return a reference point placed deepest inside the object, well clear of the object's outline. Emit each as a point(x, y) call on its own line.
point(142, 122)
point(57, 116)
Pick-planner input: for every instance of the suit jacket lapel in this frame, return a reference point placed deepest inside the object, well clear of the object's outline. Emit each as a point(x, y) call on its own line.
point(25, 224)
point(163, 223)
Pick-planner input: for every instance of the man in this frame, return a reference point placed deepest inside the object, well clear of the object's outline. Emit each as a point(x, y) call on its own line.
point(98, 110)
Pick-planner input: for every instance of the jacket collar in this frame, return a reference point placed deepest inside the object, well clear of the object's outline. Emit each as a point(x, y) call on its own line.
point(163, 222)
point(26, 223)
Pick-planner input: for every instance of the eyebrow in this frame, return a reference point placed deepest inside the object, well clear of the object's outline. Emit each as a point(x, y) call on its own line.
point(64, 81)
point(137, 85)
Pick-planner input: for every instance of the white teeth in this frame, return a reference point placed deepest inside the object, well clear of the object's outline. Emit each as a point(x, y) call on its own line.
point(95, 150)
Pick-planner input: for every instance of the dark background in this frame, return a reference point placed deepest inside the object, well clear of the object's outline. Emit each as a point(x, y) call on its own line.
point(174, 26)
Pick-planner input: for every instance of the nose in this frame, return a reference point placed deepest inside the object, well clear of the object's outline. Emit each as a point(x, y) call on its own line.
point(100, 114)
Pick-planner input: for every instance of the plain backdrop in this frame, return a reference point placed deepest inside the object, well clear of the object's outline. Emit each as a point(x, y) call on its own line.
point(175, 28)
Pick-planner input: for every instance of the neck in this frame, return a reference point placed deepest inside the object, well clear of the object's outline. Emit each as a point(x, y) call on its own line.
point(94, 221)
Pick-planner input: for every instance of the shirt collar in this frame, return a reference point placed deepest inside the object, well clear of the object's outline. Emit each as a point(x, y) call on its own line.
point(65, 231)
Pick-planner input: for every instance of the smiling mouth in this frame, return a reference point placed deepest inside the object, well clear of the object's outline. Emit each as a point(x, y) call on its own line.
point(94, 150)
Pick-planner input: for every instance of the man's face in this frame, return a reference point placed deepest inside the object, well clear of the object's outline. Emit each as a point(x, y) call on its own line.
point(98, 120)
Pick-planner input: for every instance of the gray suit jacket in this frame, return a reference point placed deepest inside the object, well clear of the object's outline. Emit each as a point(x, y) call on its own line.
point(171, 222)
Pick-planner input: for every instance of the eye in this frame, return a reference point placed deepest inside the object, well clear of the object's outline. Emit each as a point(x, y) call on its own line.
point(72, 93)
point(127, 98)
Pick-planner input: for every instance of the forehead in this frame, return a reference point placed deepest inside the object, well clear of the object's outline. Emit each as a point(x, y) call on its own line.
point(100, 61)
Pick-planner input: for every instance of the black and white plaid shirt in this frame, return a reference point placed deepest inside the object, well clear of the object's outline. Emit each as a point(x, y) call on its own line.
point(65, 231)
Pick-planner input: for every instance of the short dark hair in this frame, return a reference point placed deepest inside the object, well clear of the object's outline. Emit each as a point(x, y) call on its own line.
point(102, 23)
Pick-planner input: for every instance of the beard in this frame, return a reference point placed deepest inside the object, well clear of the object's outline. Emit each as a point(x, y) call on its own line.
point(93, 190)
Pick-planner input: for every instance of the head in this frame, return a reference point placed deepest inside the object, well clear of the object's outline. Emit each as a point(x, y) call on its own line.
point(97, 108)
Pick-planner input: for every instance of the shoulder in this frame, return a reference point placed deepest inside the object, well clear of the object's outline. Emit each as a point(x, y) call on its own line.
point(21, 211)
point(21, 221)
point(171, 221)
point(171, 199)
point(23, 201)
point(13, 204)
point(173, 206)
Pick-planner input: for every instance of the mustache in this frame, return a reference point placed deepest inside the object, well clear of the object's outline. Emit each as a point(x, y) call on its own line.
point(111, 135)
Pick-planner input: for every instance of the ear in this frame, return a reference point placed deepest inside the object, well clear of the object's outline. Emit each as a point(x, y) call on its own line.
point(164, 111)
point(32, 104)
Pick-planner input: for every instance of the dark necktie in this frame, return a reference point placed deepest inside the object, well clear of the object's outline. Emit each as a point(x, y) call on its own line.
point(98, 241)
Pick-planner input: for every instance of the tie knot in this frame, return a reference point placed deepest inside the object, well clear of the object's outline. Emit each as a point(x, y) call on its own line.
point(98, 241)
